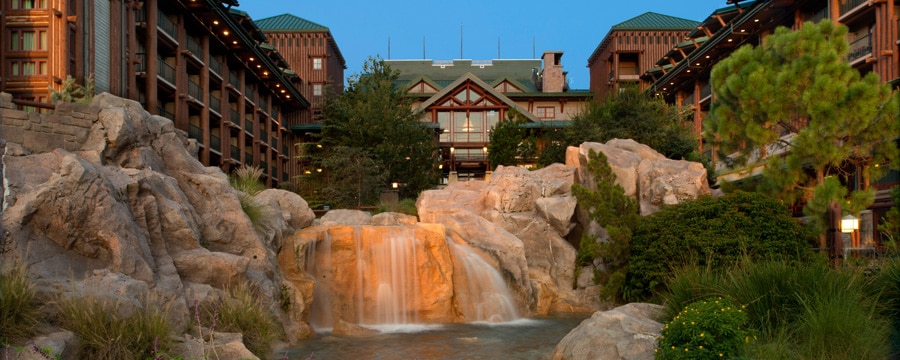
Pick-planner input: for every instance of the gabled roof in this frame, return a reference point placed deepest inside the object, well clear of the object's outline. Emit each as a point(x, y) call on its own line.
point(653, 21)
point(288, 23)
point(484, 86)
point(445, 72)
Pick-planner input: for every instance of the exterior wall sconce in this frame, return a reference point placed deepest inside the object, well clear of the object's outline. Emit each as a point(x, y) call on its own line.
point(394, 185)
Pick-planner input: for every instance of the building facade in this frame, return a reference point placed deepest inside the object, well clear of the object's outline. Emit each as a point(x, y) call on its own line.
point(632, 47)
point(201, 63)
point(311, 50)
point(682, 76)
point(465, 99)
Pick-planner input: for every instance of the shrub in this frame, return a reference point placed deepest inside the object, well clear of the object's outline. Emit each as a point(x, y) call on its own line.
point(19, 311)
point(706, 329)
point(618, 214)
point(885, 287)
point(104, 334)
point(799, 311)
point(405, 206)
point(246, 180)
point(241, 311)
point(715, 233)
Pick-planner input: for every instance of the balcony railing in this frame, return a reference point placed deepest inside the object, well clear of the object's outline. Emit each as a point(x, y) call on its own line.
point(274, 172)
point(274, 142)
point(234, 80)
point(849, 5)
point(193, 45)
point(215, 143)
point(195, 132)
point(235, 153)
point(166, 71)
point(166, 24)
point(248, 125)
point(235, 117)
point(194, 90)
point(284, 176)
point(142, 62)
point(860, 47)
point(264, 166)
point(165, 113)
point(214, 103)
point(248, 159)
point(705, 91)
point(215, 65)
point(688, 100)
point(284, 149)
point(263, 136)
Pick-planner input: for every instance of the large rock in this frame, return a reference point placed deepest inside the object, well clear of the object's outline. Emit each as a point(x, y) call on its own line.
point(628, 332)
point(132, 214)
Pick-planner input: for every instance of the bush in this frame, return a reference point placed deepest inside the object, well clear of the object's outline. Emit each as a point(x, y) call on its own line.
point(19, 311)
point(406, 206)
point(799, 311)
point(885, 286)
point(104, 334)
point(707, 329)
point(246, 180)
point(715, 233)
point(241, 311)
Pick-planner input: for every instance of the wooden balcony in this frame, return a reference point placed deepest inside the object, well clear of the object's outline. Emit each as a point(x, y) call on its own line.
point(860, 48)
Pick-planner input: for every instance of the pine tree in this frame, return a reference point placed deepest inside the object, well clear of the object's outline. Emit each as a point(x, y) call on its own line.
point(795, 106)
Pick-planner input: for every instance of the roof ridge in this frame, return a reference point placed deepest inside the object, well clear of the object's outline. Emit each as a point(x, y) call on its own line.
point(652, 20)
point(288, 21)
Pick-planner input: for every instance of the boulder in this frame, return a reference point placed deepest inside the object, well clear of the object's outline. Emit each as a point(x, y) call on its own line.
point(345, 217)
point(393, 219)
point(628, 332)
point(342, 327)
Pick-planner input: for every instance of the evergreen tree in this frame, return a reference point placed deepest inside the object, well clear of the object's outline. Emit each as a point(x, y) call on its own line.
point(511, 144)
point(799, 83)
point(610, 208)
point(372, 123)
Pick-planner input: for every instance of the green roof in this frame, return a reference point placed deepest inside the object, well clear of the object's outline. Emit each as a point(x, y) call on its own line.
point(445, 72)
point(654, 21)
point(288, 22)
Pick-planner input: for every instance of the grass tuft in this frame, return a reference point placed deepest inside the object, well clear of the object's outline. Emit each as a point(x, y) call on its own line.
point(104, 334)
point(19, 311)
point(241, 311)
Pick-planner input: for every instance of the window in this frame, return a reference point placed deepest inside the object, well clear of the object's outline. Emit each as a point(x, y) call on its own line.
point(28, 4)
point(317, 63)
point(546, 112)
point(27, 40)
point(27, 67)
point(317, 90)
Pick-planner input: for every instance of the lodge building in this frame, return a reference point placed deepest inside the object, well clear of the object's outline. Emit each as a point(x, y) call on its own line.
point(464, 99)
point(202, 63)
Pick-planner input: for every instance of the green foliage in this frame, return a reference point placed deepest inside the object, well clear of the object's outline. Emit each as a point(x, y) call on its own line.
point(608, 206)
point(799, 82)
point(634, 114)
point(890, 224)
point(241, 311)
point(886, 287)
point(715, 233)
point(372, 128)
point(708, 329)
point(404, 206)
point(511, 144)
point(103, 333)
point(74, 92)
point(19, 311)
point(246, 179)
point(799, 311)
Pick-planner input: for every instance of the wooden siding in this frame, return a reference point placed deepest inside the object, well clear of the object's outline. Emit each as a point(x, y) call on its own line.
point(648, 46)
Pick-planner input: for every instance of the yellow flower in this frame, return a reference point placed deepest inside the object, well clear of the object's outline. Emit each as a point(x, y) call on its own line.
point(701, 347)
point(685, 349)
point(721, 355)
point(701, 334)
point(673, 347)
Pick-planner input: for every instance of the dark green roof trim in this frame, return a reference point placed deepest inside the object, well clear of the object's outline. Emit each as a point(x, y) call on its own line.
point(289, 23)
point(546, 124)
point(895, 83)
point(654, 21)
point(728, 9)
point(565, 94)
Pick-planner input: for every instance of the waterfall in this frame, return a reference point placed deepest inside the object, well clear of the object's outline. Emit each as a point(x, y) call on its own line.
point(390, 276)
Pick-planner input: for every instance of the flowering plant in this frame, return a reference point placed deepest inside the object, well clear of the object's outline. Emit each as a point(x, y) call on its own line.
point(706, 329)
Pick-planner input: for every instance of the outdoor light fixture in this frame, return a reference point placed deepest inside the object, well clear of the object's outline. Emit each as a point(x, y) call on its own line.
point(849, 224)
point(394, 185)
point(319, 170)
point(225, 32)
point(452, 149)
point(215, 22)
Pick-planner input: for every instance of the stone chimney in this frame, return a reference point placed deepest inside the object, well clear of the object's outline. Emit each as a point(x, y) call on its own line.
point(554, 79)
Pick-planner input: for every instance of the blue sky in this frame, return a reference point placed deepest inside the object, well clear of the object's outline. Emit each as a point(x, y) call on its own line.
point(362, 28)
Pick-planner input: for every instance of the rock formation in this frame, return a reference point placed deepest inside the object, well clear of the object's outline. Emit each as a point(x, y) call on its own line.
point(628, 332)
point(129, 212)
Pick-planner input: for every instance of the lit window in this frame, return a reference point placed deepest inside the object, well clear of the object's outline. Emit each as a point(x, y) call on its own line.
point(317, 63)
point(546, 112)
point(27, 40)
point(317, 90)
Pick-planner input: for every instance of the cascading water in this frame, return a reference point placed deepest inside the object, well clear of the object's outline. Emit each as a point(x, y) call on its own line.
point(390, 276)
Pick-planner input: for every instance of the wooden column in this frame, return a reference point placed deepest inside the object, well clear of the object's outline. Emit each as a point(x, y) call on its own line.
point(152, 67)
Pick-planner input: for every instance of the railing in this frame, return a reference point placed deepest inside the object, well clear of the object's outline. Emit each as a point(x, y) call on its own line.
point(235, 153)
point(194, 47)
point(688, 100)
point(166, 24)
point(248, 159)
point(234, 80)
point(264, 166)
point(215, 65)
point(248, 125)
point(166, 71)
point(284, 149)
point(214, 103)
point(194, 90)
point(274, 142)
point(142, 62)
point(860, 47)
point(165, 113)
point(612, 75)
point(215, 143)
point(274, 171)
point(284, 176)
point(195, 132)
point(849, 5)
point(705, 91)
point(235, 117)
point(140, 16)
point(819, 15)
point(263, 136)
